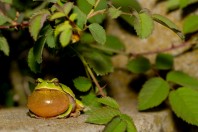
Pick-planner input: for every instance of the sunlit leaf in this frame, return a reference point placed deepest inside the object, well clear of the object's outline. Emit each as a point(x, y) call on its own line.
point(184, 102)
point(67, 7)
point(53, 1)
point(130, 124)
point(4, 19)
point(190, 24)
point(83, 84)
point(7, 1)
point(173, 4)
point(139, 65)
point(4, 45)
point(114, 12)
point(168, 23)
point(111, 126)
point(182, 79)
point(102, 115)
point(109, 102)
point(153, 93)
point(98, 33)
point(143, 24)
point(57, 15)
point(116, 125)
point(65, 37)
point(90, 100)
point(164, 61)
point(92, 2)
point(62, 27)
point(36, 22)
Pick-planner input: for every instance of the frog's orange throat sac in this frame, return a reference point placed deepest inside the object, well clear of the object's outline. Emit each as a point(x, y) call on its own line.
point(70, 101)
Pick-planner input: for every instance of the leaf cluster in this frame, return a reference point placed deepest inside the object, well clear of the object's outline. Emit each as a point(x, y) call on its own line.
point(179, 88)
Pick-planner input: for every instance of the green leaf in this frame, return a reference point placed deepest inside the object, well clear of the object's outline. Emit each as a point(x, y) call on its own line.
point(185, 3)
point(48, 33)
point(53, 1)
point(81, 17)
point(100, 62)
point(164, 61)
point(109, 102)
point(102, 115)
point(87, 38)
point(57, 15)
point(190, 24)
point(36, 22)
point(98, 33)
point(116, 125)
point(91, 2)
point(32, 63)
point(67, 7)
point(90, 100)
point(153, 93)
point(182, 79)
point(111, 126)
point(38, 49)
point(167, 23)
point(4, 19)
point(173, 4)
point(7, 1)
point(114, 43)
point(4, 45)
point(143, 24)
point(65, 37)
point(50, 40)
point(125, 4)
point(83, 84)
point(130, 125)
point(62, 27)
point(85, 7)
point(139, 65)
point(184, 102)
point(114, 12)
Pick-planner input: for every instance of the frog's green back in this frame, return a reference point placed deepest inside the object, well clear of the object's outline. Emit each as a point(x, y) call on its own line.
point(67, 90)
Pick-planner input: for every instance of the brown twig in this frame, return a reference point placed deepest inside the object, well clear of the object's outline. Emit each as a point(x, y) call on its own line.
point(16, 25)
point(173, 47)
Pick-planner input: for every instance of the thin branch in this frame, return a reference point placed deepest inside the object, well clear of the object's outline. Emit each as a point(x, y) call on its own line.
point(96, 13)
point(88, 69)
point(173, 47)
point(16, 25)
point(92, 10)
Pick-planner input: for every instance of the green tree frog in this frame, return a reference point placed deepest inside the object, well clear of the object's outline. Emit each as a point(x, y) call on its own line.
point(53, 99)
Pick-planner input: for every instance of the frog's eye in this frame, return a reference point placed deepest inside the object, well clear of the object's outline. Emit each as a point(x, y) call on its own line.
point(39, 80)
point(55, 81)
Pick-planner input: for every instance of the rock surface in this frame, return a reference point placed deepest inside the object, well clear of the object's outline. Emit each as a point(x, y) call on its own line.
point(16, 120)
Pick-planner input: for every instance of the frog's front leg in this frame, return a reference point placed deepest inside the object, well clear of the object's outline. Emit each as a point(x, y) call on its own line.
point(78, 109)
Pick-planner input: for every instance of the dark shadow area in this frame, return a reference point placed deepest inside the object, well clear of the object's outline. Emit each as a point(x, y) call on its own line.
point(137, 82)
point(126, 26)
point(189, 9)
point(183, 126)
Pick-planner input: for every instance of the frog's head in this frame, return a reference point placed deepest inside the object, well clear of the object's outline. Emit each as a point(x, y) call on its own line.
point(52, 84)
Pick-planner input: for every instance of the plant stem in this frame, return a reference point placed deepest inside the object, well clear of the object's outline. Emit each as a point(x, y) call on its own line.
point(93, 9)
point(100, 89)
point(88, 69)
